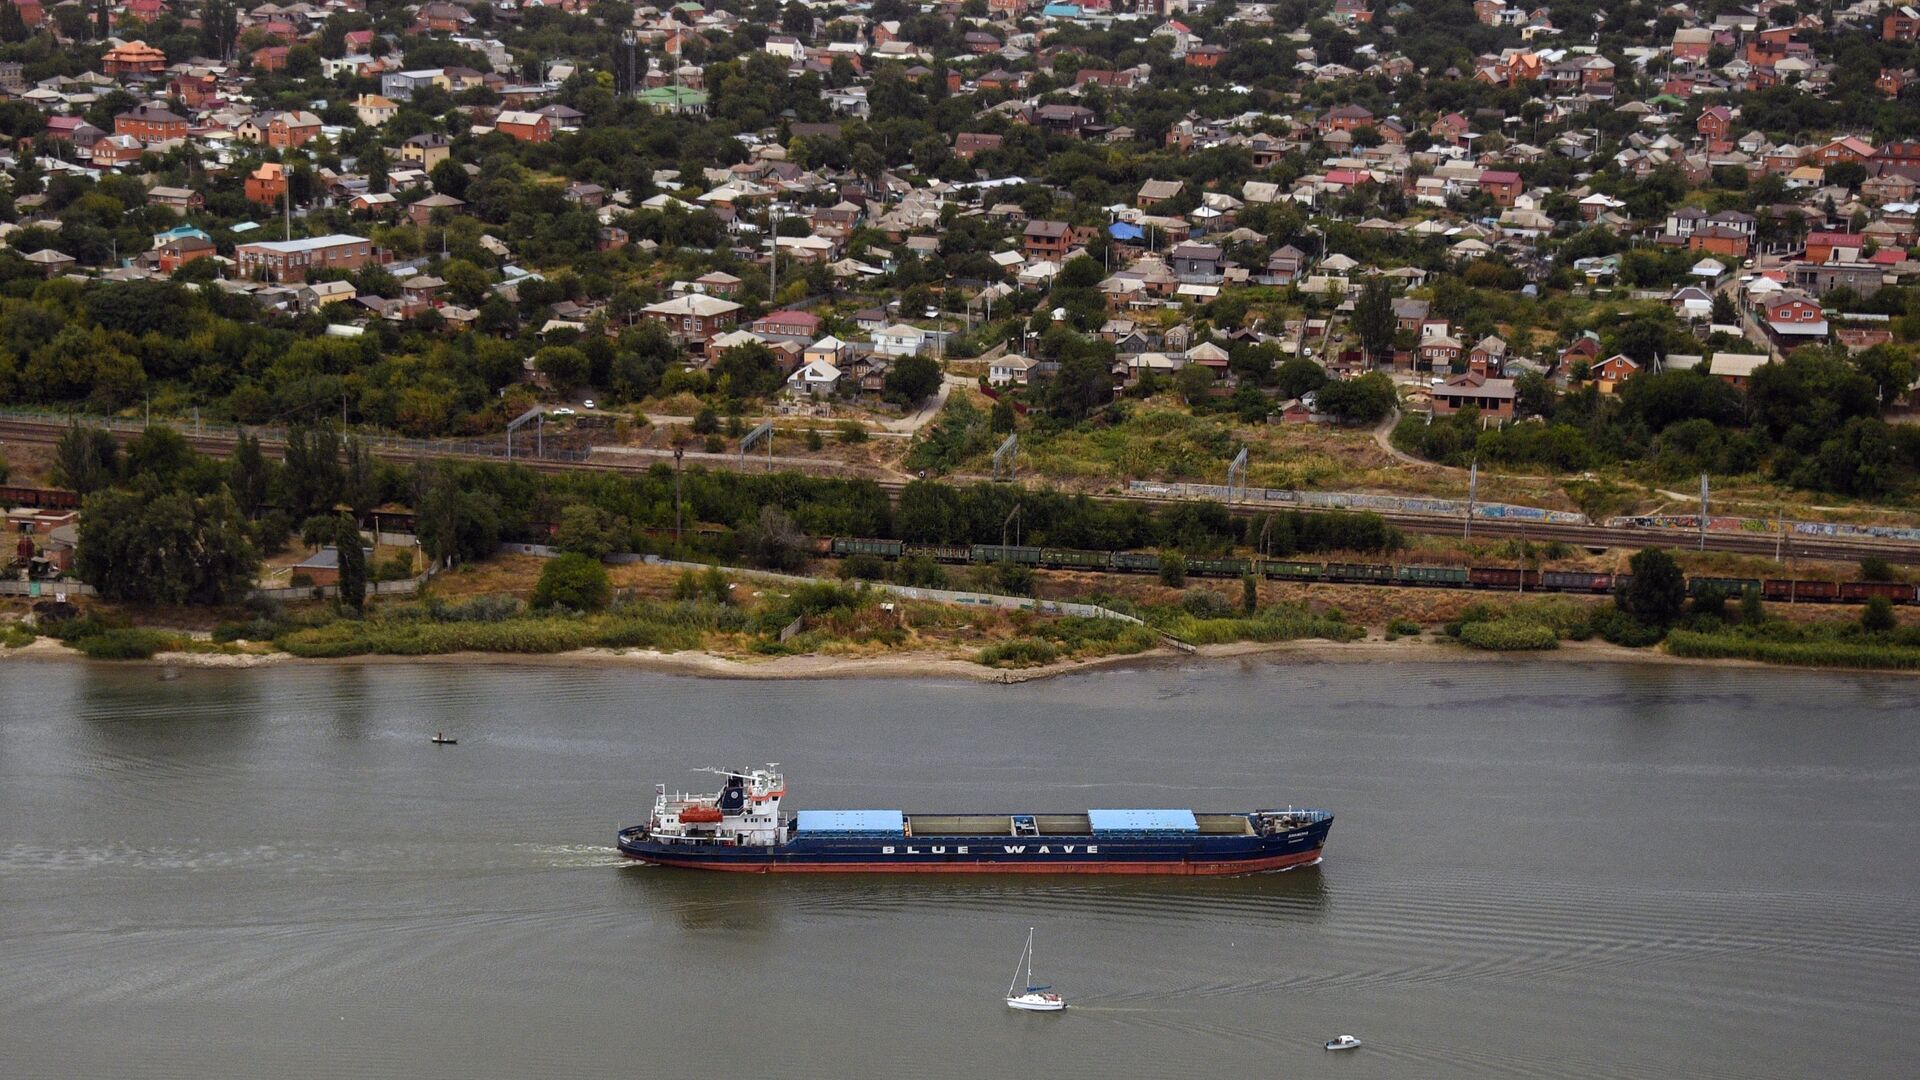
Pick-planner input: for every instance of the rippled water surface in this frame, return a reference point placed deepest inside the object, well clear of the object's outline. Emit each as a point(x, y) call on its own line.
point(1538, 870)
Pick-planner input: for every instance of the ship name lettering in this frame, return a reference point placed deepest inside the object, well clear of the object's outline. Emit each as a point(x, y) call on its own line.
point(1016, 849)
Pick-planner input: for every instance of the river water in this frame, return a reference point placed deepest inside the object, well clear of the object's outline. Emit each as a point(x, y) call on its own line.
point(1538, 869)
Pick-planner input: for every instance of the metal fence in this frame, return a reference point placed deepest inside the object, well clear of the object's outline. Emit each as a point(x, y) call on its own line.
point(1717, 524)
point(905, 592)
point(1353, 500)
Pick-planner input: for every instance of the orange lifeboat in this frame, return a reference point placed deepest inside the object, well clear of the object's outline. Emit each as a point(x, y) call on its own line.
point(700, 815)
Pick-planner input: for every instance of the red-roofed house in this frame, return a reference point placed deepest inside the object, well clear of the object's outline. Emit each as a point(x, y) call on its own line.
point(1502, 186)
point(133, 58)
point(1716, 126)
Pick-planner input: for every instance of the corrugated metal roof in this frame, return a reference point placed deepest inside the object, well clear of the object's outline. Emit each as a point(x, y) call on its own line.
point(1143, 821)
point(854, 821)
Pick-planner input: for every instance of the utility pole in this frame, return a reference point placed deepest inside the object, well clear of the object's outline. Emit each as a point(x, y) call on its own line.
point(1703, 511)
point(1473, 490)
point(679, 452)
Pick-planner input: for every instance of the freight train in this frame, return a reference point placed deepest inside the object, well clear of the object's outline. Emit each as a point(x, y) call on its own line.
point(1345, 573)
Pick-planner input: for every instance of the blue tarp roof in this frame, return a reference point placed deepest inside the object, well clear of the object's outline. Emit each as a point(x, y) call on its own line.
point(852, 821)
point(1143, 821)
point(1121, 230)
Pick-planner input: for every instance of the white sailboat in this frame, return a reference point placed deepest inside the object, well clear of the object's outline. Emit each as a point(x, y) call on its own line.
point(1033, 998)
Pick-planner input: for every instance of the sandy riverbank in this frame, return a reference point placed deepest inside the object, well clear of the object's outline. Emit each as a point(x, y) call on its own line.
point(1422, 650)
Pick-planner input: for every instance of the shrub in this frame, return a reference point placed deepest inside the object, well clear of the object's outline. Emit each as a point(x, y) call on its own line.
point(1829, 653)
point(1403, 627)
point(863, 567)
point(1877, 617)
point(1875, 568)
point(573, 581)
point(920, 571)
point(1620, 628)
point(853, 431)
point(1014, 579)
point(1020, 652)
point(1173, 569)
point(1205, 603)
point(126, 643)
point(1509, 635)
point(814, 441)
point(16, 636)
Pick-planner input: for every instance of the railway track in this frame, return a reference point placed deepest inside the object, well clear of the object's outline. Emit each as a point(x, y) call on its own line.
point(47, 432)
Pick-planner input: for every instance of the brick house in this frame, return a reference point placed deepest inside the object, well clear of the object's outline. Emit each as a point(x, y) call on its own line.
point(694, 317)
point(1502, 186)
point(1608, 374)
point(1046, 240)
point(1901, 24)
point(180, 251)
point(150, 123)
point(291, 129)
point(1716, 127)
point(133, 58)
point(117, 150)
point(968, 143)
point(1344, 118)
point(525, 126)
point(293, 260)
point(267, 184)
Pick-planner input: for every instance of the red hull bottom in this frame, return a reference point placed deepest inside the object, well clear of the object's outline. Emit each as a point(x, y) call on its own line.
point(1212, 869)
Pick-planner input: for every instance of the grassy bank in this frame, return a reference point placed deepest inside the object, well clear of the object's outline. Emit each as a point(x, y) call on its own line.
point(1818, 651)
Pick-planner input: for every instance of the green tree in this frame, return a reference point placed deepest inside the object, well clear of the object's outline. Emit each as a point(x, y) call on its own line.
point(1364, 400)
point(313, 471)
point(588, 530)
point(706, 421)
point(1082, 385)
point(573, 581)
point(1173, 569)
point(339, 532)
point(165, 548)
point(455, 525)
point(248, 475)
point(1193, 381)
point(564, 366)
point(911, 380)
point(773, 541)
point(1373, 319)
point(1299, 376)
point(85, 459)
point(1658, 590)
point(1249, 594)
point(1878, 617)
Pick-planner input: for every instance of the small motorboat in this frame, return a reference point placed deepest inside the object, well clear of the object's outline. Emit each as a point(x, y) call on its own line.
point(1344, 1042)
point(440, 739)
point(1033, 998)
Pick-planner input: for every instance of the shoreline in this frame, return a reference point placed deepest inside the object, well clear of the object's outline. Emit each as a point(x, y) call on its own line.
point(1423, 650)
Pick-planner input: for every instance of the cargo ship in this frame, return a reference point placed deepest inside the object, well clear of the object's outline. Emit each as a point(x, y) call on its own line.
point(741, 828)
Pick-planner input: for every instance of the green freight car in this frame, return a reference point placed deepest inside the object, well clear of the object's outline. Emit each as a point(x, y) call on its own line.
point(1452, 577)
point(1137, 562)
point(1007, 553)
point(1218, 567)
point(1073, 559)
point(847, 545)
point(1293, 571)
point(1371, 573)
point(949, 553)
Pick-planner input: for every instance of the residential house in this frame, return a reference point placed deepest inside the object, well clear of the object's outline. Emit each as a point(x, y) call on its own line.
point(1736, 369)
point(1608, 374)
point(181, 250)
point(133, 58)
point(289, 129)
point(292, 260)
point(267, 185)
point(1493, 397)
point(899, 340)
point(1793, 319)
point(1046, 240)
point(150, 123)
point(425, 150)
point(1009, 369)
point(694, 317)
point(422, 211)
point(374, 110)
point(525, 126)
